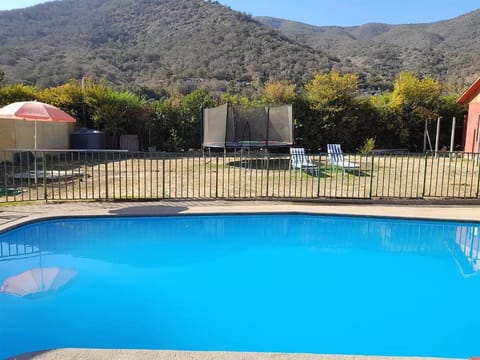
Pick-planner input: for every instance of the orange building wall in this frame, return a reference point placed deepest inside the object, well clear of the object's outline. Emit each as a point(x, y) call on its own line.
point(471, 134)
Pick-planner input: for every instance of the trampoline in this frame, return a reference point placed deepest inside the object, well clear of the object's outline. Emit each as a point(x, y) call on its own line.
point(235, 126)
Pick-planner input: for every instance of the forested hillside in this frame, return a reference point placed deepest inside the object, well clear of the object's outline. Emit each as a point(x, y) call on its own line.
point(446, 50)
point(147, 42)
point(184, 44)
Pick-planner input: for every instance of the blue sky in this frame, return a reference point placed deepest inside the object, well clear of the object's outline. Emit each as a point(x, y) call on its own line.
point(336, 12)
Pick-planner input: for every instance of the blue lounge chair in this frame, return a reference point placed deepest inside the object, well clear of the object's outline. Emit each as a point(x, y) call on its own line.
point(299, 160)
point(335, 158)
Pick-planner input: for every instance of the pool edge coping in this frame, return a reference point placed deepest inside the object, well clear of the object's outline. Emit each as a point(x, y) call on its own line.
point(24, 214)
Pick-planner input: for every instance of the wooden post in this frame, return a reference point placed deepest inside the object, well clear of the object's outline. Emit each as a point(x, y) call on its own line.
point(452, 136)
point(425, 137)
point(437, 136)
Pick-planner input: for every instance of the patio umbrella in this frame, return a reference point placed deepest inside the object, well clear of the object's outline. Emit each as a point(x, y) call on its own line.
point(34, 111)
point(37, 280)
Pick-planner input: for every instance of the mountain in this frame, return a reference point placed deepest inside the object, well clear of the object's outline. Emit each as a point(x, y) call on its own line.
point(147, 42)
point(446, 50)
point(187, 42)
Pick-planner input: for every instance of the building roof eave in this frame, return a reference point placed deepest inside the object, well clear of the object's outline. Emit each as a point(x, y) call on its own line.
point(470, 93)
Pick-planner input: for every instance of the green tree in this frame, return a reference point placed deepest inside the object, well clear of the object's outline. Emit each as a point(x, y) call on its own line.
point(332, 90)
point(162, 126)
point(237, 99)
point(70, 98)
point(332, 97)
point(387, 131)
point(279, 92)
point(17, 92)
point(191, 110)
point(176, 121)
point(411, 93)
point(117, 112)
point(413, 101)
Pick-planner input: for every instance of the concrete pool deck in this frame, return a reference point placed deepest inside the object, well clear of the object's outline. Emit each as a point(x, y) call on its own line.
point(90, 354)
point(15, 215)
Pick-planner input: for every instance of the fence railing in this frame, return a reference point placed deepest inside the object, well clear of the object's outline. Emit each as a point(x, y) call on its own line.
point(108, 175)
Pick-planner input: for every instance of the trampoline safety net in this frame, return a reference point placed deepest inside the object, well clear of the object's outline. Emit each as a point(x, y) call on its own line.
point(234, 126)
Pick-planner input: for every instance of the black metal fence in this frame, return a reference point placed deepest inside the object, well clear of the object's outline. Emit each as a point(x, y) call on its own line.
point(108, 175)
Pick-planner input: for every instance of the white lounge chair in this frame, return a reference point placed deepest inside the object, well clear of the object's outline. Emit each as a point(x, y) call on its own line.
point(299, 160)
point(335, 158)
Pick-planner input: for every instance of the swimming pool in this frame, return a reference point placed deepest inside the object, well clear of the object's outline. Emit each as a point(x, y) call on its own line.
point(253, 282)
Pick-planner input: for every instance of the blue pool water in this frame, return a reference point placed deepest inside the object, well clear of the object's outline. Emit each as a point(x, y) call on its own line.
point(264, 282)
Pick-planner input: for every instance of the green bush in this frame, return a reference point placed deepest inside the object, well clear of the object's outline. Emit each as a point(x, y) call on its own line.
point(367, 146)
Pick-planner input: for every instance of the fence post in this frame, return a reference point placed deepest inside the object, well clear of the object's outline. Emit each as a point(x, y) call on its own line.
point(5, 172)
point(216, 177)
point(106, 176)
point(163, 176)
point(425, 175)
point(318, 174)
point(371, 176)
point(44, 167)
point(268, 174)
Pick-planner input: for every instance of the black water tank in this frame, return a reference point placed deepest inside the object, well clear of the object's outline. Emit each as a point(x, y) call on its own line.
point(87, 139)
